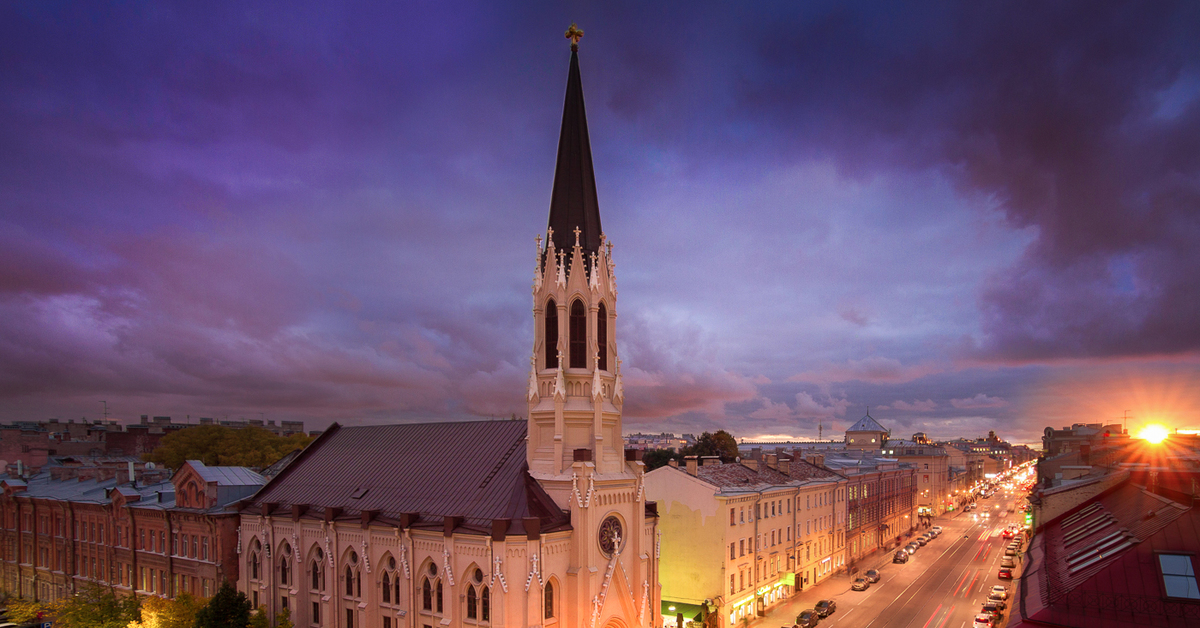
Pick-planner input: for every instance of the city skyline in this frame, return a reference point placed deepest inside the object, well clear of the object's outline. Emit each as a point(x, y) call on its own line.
point(965, 218)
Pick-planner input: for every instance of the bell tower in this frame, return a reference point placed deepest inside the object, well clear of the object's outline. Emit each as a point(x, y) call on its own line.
point(575, 393)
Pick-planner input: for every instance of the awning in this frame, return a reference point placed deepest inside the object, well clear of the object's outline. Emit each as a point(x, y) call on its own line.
point(690, 611)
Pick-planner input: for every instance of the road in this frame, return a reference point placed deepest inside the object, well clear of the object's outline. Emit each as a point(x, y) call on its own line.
point(943, 585)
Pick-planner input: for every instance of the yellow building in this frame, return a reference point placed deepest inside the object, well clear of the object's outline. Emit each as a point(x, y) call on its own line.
point(737, 539)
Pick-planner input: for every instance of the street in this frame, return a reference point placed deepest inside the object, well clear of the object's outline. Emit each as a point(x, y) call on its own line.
point(943, 585)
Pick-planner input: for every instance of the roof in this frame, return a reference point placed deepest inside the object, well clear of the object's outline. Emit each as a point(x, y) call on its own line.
point(573, 202)
point(739, 477)
point(227, 476)
point(473, 469)
point(867, 424)
point(1105, 549)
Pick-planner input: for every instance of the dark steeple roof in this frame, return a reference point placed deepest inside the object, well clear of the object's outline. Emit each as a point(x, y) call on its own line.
point(573, 202)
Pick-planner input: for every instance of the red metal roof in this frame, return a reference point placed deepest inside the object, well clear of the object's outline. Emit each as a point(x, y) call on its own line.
point(1095, 566)
point(475, 470)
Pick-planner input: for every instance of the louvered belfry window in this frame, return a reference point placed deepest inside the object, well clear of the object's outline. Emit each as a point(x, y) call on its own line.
point(551, 319)
point(602, 336)
point(578, 336)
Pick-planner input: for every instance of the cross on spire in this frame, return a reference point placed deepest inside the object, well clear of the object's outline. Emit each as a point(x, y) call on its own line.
point(574, 34)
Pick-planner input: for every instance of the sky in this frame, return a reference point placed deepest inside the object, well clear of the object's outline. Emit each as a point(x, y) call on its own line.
point(962, 216)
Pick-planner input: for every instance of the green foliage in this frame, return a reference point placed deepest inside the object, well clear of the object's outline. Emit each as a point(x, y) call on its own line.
point(224, 446)
point(22, 611)
point(259, 618)
point(158, 612)
point(96, 606)
point(284, 619)
point(719, 443)
point(229, 608)
point(655, 458)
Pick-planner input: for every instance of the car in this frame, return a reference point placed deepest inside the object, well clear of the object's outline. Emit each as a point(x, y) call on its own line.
point(922, 541)
point(991, 609)
point(1007, 533)
point(860, 584)
point(936, 529)
point(900, 557)
point(911, 548)
point(1000, 591)
point(983, 621)
point(1005, 573)
point(1008, 561)
point(808, 619)
point(825, 608)
point(872, 575)
point(1000, 604)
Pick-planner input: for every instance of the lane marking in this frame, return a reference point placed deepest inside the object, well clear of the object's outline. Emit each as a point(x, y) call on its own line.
point(930, 620)
point(947, 617)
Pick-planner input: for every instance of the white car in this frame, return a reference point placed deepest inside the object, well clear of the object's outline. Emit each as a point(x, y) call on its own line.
point(937, 529)
point(983, 621)
point(1001, 591)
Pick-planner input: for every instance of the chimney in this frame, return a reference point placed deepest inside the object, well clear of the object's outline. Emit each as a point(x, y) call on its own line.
point(816, 459)
point(785, 467)
point(773, 461)
point(693, 465)
point(673, 463)
point(20, 468)
point(709, 460)
point(132, 477)
point(751, 463)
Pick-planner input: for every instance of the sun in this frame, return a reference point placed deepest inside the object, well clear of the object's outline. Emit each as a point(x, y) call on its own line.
point(1153, 433)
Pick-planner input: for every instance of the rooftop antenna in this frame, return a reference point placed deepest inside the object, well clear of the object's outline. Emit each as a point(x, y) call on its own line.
point(105, 410)
point(820, 430)
point(1125, 427)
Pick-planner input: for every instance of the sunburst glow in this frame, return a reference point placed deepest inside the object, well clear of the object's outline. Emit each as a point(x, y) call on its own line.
point(1154, 433)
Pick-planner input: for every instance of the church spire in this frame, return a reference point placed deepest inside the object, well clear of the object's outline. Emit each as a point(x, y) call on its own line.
point(573, 203)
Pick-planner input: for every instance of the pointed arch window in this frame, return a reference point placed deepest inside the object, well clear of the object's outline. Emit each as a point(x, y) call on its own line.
point(551, 319)
point(485, 605)
point(578, 338)
point(438, 598)
point(387, 589)
point(549, 595)
point(472, 603)
point(426, 595)
point(317, 579)
point(285, 570)
point(602, 336)
point(349, 581)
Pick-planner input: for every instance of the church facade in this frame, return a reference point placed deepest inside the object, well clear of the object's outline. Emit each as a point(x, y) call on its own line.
point(541, 522)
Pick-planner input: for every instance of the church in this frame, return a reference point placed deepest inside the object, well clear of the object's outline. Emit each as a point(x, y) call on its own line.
point(540, 522)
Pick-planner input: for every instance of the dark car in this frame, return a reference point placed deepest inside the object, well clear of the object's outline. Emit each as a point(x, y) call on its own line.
point(900, 557)
point(922, 541)
point(808, 619)
point(993, 610)
point(872, 575)
point(825, 608)
point(860, 584)
point(1005, 574)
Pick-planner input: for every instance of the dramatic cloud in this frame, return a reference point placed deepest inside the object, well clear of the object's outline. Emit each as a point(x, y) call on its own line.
point(316, 211)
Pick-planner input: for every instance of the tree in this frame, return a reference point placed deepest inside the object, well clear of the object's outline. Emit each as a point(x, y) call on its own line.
point(22, 611)
point(227, 609)
point(655, 458)
point(96, 606)
point(159, 612)
point(219, 445)
point(284, 619)
point(719, 443)
point(259, 618)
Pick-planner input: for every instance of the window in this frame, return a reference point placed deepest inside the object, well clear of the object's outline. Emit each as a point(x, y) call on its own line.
point(204, 549)
point(349, 581)
point(551, 334)
point(472, 606)
point(578, 335)
point(732, 517)
point(317, 584)
point(485, 605)
point(285, 570)
point(549, 595)
point(438, 598)
point(316, 613)
point(426, 595)
point(349, 618)
point(602, 336)
point(732, 551)
point(1179, 576)
point(387, 589)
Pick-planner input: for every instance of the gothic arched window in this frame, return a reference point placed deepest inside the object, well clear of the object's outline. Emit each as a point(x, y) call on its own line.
point(472, 606)
point(349, 581)
point(551, 334)
point(485, 605)
point(549, 595)
point(387, 589)
point(578, 338)
point(284, 570)
point(438, 599)
point(317, 585)
point(602, 336)
point(426, 595)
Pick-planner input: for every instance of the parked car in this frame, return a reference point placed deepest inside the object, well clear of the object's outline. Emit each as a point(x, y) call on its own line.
point(1010, 551)
point(1000, 604)
point(983, 621)
point(872, 575)
point(912, 548)
point(991, 609)
point(922, 541)
point(936, 529)
point(900, 557)
point(1005, 573)
point(807, 619)
point(825, 608)
point(860, 584)
point(1000, 591)
point(1008, 561)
